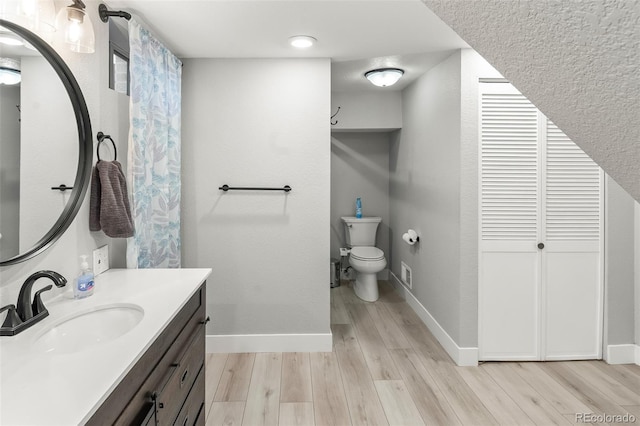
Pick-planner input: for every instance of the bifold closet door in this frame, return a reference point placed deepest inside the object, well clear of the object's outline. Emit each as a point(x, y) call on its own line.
point(510, 217)
point(572, 257)
point(540, 290)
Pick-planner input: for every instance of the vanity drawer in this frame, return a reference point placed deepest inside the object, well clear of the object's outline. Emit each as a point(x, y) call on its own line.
point(192, 410)
point(185, 369)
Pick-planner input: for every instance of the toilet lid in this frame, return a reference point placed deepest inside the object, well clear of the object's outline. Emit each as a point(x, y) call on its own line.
point(367, 253)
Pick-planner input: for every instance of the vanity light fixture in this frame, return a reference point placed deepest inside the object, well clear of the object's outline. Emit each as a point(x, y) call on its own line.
point(383, 77)
point(38, 16)
point(302, 41)
point(10, 71)
point(75, 28)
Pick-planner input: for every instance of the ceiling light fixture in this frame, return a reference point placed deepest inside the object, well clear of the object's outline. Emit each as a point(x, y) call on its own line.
point(383, 77)
point(10, 71)
point(10, 39)
point(76, 28)
point(302, 41)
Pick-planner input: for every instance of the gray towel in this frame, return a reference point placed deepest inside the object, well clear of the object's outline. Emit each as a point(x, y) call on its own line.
point(109, 202)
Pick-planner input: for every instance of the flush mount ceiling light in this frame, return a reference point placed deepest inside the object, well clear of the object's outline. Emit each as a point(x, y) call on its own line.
point(10, 71)
point(302, 41)
point(76, 28)
point(384, 77)
point(10, 39)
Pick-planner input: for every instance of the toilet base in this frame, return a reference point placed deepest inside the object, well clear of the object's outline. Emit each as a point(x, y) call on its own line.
point(366, 286)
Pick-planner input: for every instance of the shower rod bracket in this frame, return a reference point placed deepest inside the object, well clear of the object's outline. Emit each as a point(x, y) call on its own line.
point(106, 13)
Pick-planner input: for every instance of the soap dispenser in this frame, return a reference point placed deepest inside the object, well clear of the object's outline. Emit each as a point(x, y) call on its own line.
point(83, 285)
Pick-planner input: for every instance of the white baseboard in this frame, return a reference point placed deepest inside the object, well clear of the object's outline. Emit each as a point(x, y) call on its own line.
point(461, 356)
point(623, 354)
point(238, 343)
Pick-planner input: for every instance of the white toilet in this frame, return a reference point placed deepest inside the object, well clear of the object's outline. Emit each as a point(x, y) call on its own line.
point(366, 259)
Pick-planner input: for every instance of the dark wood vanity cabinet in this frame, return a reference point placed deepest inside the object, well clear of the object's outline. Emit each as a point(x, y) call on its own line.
point(166, 386)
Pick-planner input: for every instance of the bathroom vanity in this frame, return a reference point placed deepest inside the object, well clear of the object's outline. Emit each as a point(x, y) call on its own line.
point(133, 353)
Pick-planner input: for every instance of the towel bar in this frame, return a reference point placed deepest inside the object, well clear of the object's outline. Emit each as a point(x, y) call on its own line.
point(226, 188)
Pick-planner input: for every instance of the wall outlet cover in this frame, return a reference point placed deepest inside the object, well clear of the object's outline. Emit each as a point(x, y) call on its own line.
point(100, 260)
point(405, 275)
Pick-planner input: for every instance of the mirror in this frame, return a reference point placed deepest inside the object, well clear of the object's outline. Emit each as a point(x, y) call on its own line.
point(41, 119)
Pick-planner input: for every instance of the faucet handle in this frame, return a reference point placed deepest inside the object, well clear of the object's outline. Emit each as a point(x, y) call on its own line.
point(12, 319)
point(37, 306)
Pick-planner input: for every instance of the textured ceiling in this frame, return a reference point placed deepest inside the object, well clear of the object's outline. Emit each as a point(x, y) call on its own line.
point(577, 61)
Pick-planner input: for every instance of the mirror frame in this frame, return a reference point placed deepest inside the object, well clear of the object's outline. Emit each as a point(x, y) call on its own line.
point(85, 152)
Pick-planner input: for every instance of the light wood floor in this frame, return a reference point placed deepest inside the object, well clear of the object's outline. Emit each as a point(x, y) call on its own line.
point(387, 368)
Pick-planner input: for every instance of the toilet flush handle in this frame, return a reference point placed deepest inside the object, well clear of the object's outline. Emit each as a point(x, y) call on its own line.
point(349, 225)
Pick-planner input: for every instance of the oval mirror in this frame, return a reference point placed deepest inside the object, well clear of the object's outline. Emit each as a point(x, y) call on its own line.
point(43, 114)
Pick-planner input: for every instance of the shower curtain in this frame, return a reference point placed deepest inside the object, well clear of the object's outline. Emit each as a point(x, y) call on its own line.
point(154, 152)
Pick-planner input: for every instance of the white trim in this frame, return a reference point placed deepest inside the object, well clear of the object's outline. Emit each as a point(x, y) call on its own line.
point(623, 354)
point(238, 343)
point(461, 356)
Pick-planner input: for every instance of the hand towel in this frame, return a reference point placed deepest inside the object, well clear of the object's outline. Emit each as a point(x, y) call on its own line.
point(109, 208)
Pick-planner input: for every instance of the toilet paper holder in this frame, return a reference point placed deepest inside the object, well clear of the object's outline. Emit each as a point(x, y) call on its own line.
point(411, 237)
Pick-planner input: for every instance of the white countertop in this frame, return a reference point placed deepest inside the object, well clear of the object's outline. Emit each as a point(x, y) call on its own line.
point(39, 388)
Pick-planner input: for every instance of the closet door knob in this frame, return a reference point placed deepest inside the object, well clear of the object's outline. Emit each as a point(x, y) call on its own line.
point(540, 246)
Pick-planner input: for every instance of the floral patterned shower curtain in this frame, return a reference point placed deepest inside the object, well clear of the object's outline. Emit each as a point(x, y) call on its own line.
point(154, 152)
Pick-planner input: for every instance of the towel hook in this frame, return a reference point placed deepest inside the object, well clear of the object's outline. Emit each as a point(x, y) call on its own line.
point(101, 137)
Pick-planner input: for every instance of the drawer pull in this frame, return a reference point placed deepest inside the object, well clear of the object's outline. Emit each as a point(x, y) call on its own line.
point(206, 320)
point(184, 377)
point(186, 421)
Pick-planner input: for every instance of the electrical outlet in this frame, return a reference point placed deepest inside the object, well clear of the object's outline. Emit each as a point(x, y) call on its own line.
point(100, 260)
point(406, 275)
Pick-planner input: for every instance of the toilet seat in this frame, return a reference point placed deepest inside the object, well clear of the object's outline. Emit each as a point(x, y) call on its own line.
point(367, 253)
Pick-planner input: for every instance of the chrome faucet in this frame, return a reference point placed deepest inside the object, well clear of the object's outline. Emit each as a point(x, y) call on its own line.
point(27, 312)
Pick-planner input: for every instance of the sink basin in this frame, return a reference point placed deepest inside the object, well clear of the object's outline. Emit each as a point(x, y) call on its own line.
point(89, 328)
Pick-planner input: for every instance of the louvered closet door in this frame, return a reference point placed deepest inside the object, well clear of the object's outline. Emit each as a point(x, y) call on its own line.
point(572, 257)
point(510, 217)
point(540, 258)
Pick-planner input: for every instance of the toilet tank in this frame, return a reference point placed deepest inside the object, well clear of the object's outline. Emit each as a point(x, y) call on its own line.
point(361, 232)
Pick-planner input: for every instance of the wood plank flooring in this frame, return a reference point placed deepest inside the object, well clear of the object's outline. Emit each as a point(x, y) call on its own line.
point(386, 368)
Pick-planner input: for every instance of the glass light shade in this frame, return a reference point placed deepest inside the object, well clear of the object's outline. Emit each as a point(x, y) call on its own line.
point(9, 77)
point(10, 71)
point(36, 15)
point(302, 41)
point(384, 77)
point(75, 30)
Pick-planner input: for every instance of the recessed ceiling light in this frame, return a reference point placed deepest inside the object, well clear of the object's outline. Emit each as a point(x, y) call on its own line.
point(302, 41)
point(384, 77)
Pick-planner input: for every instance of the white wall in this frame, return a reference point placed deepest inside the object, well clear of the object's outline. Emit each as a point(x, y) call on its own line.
point(9, 170)
point(359, 168)
point(619, 265)
point(637, 272)
point(258, 122)
point(109, 113)
point(425, 191)
point(362, 111)
point(47, 127)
